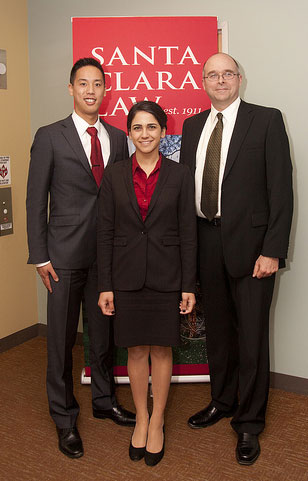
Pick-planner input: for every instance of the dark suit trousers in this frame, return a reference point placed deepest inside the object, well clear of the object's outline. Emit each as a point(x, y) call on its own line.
point(237, 333)
point(62, 321)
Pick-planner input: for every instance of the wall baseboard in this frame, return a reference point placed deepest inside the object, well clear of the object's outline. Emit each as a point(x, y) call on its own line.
point(29, 333)
point(298, 385)
point(42, 331)
point(19, 337)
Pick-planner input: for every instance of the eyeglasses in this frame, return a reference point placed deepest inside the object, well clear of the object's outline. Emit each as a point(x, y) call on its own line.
point(213, 77)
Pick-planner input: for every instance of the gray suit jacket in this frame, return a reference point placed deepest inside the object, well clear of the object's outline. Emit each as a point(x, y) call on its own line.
point(62, 196)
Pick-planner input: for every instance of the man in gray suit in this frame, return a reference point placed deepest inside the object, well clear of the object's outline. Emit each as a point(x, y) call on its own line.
point(63, 187)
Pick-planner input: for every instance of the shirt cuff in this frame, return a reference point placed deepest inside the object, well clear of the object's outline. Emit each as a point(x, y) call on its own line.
point(42, 264)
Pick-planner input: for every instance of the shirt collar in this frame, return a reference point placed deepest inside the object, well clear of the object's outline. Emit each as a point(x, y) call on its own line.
point(229, 112)
point(81, 125)
point(136, 166)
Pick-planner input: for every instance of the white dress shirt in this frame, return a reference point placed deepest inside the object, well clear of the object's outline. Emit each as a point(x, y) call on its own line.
point(228, 119)
point(81, 127)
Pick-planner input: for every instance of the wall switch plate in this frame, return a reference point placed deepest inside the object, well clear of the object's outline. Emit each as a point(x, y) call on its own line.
point(6, 211)
point(3, 69)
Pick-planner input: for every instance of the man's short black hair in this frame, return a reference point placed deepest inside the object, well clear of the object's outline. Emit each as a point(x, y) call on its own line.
point(84, 62)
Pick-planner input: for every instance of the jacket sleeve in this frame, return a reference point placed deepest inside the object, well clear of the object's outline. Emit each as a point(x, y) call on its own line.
point(188, 232)
point(121, 147)
point(184, 141)
point(39, 179)
point(124, 147)
point(279, 188)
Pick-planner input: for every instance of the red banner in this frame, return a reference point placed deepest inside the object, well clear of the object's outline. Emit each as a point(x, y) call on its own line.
point(154, 58)
point(159, 59)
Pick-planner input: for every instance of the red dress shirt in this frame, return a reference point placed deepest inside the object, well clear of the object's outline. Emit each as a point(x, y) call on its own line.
point(144, 186)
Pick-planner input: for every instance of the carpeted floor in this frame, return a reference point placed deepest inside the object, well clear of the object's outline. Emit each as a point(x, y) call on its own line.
point(28, 441)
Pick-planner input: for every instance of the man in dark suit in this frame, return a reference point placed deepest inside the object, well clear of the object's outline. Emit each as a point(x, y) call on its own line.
point(66, 168)
point(239, 155)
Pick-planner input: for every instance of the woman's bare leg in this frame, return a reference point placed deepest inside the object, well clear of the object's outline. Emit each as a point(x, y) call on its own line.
point(138, 371)
point(161, 370)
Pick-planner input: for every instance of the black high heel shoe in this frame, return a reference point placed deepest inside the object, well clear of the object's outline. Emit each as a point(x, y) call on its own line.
point(136, 454)
point(151, 459)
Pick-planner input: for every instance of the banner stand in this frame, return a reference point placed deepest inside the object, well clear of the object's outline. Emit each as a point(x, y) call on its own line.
point(84, 379)
point(165, 66)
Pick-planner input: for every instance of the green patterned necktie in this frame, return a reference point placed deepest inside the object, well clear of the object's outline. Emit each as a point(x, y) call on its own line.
point(209, 193)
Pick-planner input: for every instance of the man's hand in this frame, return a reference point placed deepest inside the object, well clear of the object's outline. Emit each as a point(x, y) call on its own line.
point(187, 303)
point(45, 272)
point(106, 304)
point(265, 266)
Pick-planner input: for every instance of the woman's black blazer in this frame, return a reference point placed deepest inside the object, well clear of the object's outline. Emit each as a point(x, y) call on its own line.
point(158, 253)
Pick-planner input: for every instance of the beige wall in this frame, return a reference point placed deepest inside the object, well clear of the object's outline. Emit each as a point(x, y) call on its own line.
point(18, 297)
point(269, 38)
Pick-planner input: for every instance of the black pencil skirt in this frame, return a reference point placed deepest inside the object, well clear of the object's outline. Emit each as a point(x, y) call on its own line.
point(147, 317)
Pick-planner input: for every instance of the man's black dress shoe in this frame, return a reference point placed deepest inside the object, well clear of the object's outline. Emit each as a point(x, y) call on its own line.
point(118, 414)
point(151, 459)
point(248, 448)
point(209, 416)
point(70, 442)
point(136, 454)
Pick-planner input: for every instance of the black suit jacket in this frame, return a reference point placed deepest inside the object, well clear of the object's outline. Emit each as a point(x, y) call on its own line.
point(159, 253)
point(256, 195)
point(60, 174)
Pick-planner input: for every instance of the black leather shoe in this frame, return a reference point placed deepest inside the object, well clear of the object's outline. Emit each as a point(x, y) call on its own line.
point(117, 414)
point(209, 416)
point(70, 442)
point(151, 459)
point(136, 454)
point(247, 449)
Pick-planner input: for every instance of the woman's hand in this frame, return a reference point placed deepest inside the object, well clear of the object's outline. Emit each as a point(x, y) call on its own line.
point(106, 304)
point(187, 303)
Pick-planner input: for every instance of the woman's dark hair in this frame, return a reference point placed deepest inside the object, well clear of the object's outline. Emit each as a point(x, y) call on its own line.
point(150, 107)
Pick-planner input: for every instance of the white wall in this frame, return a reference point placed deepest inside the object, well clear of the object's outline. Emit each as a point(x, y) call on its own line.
point(269, 38)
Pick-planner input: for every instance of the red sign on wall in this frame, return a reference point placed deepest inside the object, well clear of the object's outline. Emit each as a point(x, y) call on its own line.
point(154, 58)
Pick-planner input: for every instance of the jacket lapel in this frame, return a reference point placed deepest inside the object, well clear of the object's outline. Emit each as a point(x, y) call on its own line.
point(242, 124)
point(128, 178)
point(195, 135)
point(112, 140)
point(72, 137)
point(162, 178)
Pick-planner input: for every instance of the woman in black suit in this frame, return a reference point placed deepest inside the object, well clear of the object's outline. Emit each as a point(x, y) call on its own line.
point(146, 265)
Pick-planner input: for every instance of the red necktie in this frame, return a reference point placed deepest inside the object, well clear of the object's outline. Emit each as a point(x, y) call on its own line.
point(96, 155)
